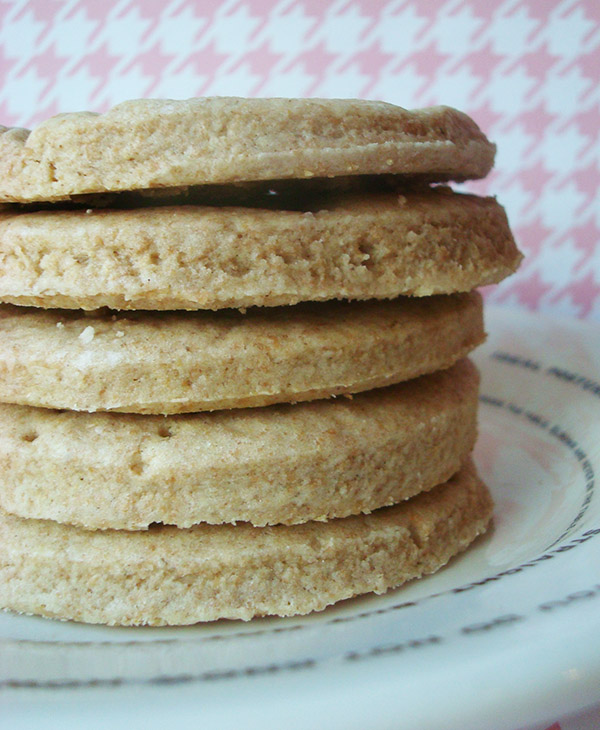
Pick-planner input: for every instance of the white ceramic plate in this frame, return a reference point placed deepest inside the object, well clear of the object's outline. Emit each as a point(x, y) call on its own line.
point(506, 635)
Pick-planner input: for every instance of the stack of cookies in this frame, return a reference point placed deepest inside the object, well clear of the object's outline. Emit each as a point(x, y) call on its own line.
point(232, 355)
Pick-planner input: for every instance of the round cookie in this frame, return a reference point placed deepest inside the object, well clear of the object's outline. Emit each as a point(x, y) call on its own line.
point(150, 143)
point(166, 363)
point(173, 576)
point(379, 245)
point(279, 464)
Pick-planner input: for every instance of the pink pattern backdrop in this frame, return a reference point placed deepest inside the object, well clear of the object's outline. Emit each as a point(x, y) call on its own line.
point(527, 70)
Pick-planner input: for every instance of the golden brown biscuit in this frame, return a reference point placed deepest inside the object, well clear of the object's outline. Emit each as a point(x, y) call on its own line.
point(151, 143)
point(288, 464)
point(172, 576)
point(144, 362)
point(188, 257)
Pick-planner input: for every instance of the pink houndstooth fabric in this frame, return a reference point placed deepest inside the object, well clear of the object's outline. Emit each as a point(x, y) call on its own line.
point(526, 70)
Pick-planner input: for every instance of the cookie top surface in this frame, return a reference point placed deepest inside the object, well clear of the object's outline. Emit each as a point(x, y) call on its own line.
point(151, 143)
point(309, 461)
point(372, 245)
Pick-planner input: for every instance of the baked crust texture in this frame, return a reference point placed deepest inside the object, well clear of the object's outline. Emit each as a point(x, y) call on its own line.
point(152, 143)
point(165, 363)
point(279, 464)
point(172, 576)
point(372, 246)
